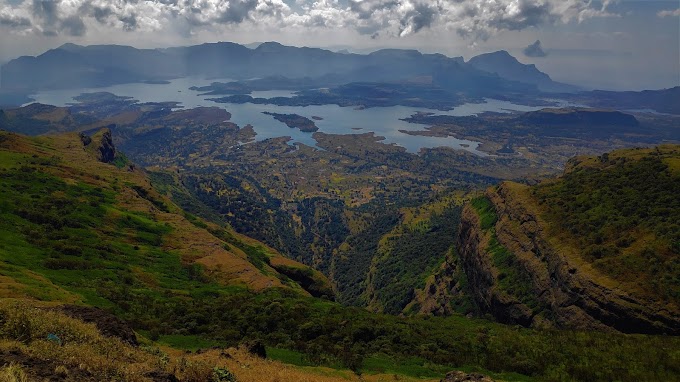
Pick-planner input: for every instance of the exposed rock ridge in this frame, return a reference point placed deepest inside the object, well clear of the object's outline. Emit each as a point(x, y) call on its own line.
point(101, 144)
point(569, 294)
point(444, 291)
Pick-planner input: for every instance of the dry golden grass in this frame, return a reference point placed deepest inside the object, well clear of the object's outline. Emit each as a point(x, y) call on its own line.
point(247, 367)
point(45, 339)
point(84, 354)
point(12, 373)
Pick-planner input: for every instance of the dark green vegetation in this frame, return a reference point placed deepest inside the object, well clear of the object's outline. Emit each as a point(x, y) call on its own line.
point(168, 255)
point(327, 333)
point(409, 254)
point(513, 279)
point(623, 209)
point(68, 226)
point(55, 229)
point(295, 121)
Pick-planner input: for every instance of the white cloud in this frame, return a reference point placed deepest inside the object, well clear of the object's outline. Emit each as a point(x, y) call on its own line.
point(473, 19)
point(669, 13)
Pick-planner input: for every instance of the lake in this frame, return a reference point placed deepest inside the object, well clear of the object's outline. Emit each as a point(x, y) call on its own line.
point(383, 121)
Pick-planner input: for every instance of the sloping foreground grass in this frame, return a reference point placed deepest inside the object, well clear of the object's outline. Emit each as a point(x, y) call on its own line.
point(38, 343)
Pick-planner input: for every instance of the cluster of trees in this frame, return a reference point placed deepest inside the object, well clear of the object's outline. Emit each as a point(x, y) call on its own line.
point(413, 255)
point(327, 333)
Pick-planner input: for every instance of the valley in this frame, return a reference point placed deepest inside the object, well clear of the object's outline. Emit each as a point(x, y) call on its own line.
point(388, 216)
point(130, 250)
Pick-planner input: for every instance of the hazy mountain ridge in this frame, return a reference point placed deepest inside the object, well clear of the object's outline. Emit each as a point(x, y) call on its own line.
point(71, 66)
point(507, 66)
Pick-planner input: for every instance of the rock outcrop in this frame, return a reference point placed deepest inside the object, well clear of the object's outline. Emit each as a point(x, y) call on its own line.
point(108, 324)
point(553, 285)
point(101, 144)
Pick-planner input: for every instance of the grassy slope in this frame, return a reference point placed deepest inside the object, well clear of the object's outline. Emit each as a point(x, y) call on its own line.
point(68, 219)
point(80, 352)
point(74, 229)
point(621, 210)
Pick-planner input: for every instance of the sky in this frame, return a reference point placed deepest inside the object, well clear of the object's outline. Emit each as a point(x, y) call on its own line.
point(606, 44)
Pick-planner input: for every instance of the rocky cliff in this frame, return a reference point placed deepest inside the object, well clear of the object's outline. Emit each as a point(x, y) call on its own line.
point(520, 275)
point(101, 145)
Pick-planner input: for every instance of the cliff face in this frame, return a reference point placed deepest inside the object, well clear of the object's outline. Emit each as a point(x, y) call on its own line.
point(521, 276)
point(445, 291)
point(101, 144)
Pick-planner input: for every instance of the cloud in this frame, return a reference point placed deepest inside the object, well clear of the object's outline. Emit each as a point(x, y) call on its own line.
point(73, 26)
point(472, 19)
point(669, 13)
point(14, 21)
point(534, 50)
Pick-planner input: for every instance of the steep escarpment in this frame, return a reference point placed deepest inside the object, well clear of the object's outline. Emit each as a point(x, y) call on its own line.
point(523, 268)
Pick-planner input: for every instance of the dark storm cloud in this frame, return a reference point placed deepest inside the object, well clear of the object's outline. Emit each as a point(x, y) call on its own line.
point(364, 9)
point(534, 50)
point(14, 21)
point(46, 10)
point(73, 26)
point(422, 16)
point(529, 14)
point(238, 11)
point(129, 22)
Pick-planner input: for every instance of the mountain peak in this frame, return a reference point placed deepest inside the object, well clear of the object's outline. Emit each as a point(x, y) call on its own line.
point(70, 47)
point(270, 46)
point(499, 55)
point(507, 66)
point(410, 53)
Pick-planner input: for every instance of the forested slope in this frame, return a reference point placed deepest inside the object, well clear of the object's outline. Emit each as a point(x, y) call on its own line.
point(597, 248)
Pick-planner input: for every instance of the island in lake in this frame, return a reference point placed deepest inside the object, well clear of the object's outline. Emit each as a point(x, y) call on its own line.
point(295, 121)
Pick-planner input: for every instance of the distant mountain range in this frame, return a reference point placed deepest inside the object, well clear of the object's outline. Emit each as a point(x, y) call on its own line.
point(75, 66)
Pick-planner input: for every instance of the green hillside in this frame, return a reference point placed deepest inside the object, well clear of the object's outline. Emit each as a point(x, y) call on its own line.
point(623, 210)
point(595, 249)
point(68, 219)
point(77, 230)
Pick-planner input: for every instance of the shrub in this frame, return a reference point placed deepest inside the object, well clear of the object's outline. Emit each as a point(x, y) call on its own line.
point(221, 374)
